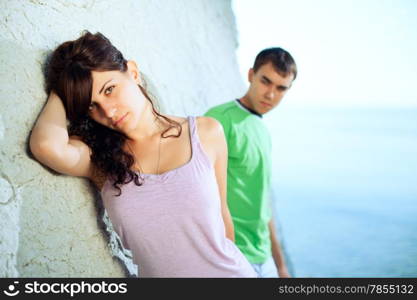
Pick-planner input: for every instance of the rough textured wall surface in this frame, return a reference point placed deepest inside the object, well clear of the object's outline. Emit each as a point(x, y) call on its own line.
point(186, 50)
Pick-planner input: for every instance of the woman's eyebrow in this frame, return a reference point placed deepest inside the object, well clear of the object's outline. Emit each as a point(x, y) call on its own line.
point(104, 85)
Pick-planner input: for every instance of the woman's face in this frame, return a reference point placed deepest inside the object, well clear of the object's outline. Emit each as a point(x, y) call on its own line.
point(116, 100)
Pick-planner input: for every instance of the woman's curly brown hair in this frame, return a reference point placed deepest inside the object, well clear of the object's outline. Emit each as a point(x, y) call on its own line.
point(68, 74)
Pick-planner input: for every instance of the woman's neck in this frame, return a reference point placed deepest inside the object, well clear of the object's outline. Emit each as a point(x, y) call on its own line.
point(148, 126)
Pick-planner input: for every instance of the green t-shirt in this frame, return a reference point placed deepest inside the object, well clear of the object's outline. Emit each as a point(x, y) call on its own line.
point(248, 178)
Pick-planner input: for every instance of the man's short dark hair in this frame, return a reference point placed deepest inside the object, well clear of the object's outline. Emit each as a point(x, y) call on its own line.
point(281, 60)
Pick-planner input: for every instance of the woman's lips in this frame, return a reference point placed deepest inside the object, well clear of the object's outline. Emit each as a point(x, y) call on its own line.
point(120, 120)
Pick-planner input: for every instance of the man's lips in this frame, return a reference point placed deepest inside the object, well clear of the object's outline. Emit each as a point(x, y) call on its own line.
point(119, 120)
point(266, 104)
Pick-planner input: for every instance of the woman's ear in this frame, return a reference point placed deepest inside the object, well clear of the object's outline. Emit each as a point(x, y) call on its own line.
point(133, 71)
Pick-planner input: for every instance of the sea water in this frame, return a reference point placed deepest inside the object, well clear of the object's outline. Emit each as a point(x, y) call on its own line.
point(345, 190)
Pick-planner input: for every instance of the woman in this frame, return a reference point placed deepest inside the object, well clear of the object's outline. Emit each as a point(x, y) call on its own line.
point(162, 178)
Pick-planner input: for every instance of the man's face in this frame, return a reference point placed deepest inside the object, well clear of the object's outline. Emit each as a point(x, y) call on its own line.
point(267, 88)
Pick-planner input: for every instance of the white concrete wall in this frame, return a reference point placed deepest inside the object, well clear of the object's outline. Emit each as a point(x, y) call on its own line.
point(186, 49)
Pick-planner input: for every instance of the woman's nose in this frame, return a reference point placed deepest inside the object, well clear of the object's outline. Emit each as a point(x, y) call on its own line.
point(109, 111)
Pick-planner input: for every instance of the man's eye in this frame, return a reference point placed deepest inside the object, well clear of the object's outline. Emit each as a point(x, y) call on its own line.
point(109, 90)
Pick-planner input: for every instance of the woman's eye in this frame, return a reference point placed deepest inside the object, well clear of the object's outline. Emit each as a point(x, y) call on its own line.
point(109, 90)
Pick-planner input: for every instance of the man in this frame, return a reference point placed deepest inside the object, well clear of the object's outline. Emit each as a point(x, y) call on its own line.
point(249, 159)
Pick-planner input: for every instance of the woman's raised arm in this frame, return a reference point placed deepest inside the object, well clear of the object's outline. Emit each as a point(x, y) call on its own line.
point(51, 145)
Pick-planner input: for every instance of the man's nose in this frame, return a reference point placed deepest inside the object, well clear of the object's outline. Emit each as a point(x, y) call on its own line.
point(270, 94)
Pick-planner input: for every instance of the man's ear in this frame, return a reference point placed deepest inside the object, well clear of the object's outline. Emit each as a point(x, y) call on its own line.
point(250, 75)
point(132, 69)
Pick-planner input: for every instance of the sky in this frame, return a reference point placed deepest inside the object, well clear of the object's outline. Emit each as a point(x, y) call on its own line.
point(349, 53)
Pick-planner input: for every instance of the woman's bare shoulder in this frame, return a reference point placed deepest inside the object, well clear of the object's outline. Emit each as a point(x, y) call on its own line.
point(211, 135)
point(209, 127)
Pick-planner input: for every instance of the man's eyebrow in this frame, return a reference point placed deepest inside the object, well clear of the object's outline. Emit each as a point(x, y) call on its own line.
point(104, 85)
point(266, 78)
point(283, 87)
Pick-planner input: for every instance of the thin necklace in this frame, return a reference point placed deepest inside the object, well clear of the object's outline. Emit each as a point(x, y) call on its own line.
point(159, 153)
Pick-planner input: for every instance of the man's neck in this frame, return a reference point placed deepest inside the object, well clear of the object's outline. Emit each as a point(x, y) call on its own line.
point(248, 109)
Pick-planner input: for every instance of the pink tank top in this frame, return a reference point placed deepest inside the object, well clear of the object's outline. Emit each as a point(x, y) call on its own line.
point(173, 223)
